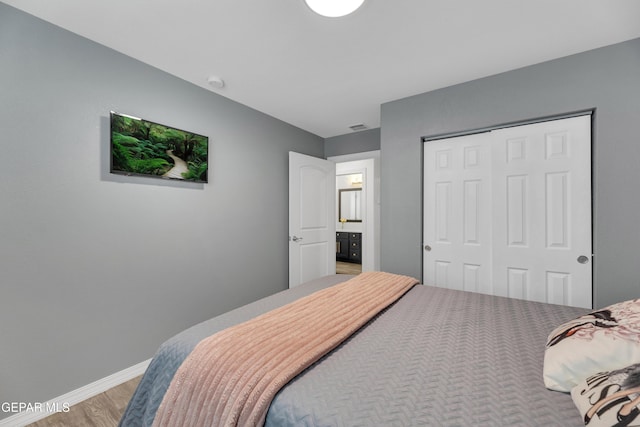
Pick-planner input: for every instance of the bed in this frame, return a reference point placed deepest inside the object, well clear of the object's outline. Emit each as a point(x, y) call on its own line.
point(435, 357)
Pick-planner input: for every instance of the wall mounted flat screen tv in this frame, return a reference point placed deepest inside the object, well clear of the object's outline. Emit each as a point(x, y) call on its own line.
point(144, 148)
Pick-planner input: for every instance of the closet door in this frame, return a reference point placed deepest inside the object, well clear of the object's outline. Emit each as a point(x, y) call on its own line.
point(457, 209)
point(508, 212)
point(542, 212)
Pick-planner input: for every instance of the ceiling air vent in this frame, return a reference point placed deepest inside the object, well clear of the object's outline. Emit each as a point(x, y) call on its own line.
point(359, 126)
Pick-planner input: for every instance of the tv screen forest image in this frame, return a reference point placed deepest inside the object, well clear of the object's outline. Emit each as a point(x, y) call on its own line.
point(141, 147)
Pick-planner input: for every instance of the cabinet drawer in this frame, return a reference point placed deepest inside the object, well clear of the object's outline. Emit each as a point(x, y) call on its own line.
point(342, 246)
point(354, 245)
point(354, 236)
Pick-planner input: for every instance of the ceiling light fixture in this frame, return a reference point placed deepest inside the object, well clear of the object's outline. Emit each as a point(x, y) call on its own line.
point(334, 8)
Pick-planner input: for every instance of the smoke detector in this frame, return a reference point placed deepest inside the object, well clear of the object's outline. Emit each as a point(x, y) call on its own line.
point(215, 82)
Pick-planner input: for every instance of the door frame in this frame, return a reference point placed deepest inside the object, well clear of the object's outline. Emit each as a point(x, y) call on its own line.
point(371, 219)
point(435, 137)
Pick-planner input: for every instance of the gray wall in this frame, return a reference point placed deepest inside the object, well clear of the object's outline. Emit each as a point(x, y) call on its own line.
point(97, 269)
point(350, 143)
point(606, 79)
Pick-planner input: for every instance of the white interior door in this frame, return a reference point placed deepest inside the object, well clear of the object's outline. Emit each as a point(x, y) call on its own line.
point(457, 207)
point(542, 203)
point(312, 232)
point(530, 205)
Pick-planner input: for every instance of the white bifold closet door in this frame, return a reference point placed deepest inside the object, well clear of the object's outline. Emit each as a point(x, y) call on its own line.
point(508, 212)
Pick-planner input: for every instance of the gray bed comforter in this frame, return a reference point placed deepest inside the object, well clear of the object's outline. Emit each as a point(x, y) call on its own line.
point(437, 357)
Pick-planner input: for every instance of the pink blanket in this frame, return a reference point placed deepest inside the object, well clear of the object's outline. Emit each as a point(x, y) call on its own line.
point(231, 377)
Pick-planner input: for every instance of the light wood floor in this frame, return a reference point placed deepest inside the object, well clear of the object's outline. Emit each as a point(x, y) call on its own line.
point(103, 410)
point(348, 268)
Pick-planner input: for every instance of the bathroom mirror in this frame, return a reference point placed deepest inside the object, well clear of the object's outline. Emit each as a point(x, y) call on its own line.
point(349, 204)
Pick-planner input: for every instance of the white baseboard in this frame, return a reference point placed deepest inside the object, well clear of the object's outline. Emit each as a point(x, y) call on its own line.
point(76, 396)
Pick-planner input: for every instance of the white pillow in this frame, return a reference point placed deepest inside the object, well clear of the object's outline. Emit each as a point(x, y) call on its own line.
point(600, 341)
point(610, 398)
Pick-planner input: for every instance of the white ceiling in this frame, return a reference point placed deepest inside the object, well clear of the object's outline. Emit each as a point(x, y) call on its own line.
point(325, 74)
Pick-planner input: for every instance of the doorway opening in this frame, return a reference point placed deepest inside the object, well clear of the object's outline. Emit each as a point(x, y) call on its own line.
point(357, 212)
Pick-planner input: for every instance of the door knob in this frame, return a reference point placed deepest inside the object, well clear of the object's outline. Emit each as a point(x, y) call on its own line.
point(582, 259)
point(295, 238)
point(427, 248)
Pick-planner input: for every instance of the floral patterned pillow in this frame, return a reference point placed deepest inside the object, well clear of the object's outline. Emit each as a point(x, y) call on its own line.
point(610, 398)
point(600, 341)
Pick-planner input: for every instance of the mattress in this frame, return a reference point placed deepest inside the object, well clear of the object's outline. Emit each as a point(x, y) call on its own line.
point(437, 357)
